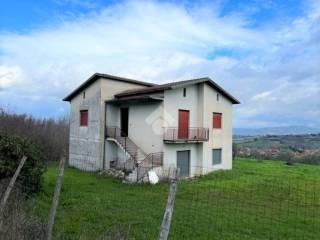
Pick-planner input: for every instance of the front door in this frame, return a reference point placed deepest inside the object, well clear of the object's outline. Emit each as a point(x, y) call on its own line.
point(183, 124)
point(183, 163)
point(124, 121)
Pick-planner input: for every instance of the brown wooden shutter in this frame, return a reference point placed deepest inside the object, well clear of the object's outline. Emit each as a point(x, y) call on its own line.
point(84, 118)
point(217, 120)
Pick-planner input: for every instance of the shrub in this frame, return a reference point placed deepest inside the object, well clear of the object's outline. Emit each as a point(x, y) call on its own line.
point(310, 159)
point(20, 222)
point(11, 151)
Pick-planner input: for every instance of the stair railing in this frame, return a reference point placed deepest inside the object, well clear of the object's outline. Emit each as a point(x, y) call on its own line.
point(129, 146)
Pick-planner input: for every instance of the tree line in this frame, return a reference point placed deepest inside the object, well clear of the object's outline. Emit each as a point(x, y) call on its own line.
point(50, 134)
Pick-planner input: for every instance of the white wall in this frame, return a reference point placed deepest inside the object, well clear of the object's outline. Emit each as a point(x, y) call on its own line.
point(110, 115)
point(145, 124)
point(170, 156)
point(218, 138)
point(174, 100)
point(201, 101)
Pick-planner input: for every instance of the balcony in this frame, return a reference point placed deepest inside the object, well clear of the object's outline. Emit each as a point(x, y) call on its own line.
point(179, 135)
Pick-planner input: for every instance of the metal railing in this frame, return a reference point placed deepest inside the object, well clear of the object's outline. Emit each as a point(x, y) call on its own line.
point(151, 161)
point(174, 134)
point(122, 164)
point(121, 137)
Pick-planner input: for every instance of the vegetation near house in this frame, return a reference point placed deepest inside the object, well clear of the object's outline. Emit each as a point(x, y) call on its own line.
point(11, 151)
point(50, 135)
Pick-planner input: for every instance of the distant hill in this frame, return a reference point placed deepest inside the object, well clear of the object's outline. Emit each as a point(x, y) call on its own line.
point(292, 130)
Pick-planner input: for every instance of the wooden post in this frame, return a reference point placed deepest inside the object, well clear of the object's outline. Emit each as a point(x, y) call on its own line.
point(9, 188)
point(166, 221)
point(55, 200)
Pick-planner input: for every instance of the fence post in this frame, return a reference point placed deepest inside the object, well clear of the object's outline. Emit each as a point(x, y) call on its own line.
point(9, 188)
point(151, 160)
point(166, 221)
point(55, 200)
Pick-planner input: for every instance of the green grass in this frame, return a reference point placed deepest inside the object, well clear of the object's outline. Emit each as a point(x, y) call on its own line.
point(256, 200)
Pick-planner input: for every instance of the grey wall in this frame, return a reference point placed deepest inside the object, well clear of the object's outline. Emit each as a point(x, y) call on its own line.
point(84, 150)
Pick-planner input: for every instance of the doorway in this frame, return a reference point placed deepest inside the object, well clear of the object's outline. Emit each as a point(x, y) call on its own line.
point(183, 163)
point(183, 124)
point(124, 121)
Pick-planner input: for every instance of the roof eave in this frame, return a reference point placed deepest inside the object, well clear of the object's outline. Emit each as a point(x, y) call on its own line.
point(96, 76)
point(224, 92)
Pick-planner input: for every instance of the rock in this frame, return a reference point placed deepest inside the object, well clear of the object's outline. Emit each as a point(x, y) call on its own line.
point(132, 177)
point(145, 179)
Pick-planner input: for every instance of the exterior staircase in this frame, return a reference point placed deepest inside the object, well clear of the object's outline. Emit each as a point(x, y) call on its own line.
point(138, 163)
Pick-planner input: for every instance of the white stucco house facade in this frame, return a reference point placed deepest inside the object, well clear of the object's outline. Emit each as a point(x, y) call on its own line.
point(118, 122)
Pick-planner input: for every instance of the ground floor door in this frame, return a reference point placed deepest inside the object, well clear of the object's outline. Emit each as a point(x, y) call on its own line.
point(183, 124)
point(183, 163)
point(124, 121)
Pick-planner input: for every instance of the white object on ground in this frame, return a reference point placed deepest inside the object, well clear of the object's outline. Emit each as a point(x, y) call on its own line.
point(153, 177)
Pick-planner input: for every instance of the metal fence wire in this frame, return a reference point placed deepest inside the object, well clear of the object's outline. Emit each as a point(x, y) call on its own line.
point(248, 202)
point(19, 218)
point(227, 205)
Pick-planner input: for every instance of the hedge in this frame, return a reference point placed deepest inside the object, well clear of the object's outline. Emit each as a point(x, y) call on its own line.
point(11, 151)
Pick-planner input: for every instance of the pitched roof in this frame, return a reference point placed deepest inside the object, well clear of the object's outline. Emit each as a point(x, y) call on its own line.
point(96, 76)
point(173, 85)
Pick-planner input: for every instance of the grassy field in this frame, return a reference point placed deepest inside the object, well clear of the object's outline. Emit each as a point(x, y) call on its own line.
point(256, 200)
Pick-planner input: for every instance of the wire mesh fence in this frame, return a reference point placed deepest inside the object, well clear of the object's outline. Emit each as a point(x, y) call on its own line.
point(19, 219)
point(247, 205)
point(252, 201)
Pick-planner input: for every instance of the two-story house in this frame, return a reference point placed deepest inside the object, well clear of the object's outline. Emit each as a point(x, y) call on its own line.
point(117, 122)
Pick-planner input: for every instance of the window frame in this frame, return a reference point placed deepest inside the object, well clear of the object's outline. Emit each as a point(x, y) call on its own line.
point(82, 122)
point(213, 120)
point(216, 163)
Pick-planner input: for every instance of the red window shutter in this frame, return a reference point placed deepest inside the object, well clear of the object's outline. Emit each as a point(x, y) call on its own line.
point(217, 119)
point(84, 118)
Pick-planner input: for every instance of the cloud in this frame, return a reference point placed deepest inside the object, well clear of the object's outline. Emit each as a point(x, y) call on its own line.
point(9, 75)
point(264, 96)
point(272, 69)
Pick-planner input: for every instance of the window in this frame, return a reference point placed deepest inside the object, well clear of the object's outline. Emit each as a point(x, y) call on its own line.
point(218, 96)
point(84, 118)
point(216, 156)
point(84, 95)
point(184, 92)
point(217, 120)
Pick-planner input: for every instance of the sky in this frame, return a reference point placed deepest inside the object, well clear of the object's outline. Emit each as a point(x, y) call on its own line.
point(266, 53)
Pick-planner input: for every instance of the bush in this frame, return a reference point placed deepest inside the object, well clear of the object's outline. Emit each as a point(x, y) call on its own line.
point(11, 151)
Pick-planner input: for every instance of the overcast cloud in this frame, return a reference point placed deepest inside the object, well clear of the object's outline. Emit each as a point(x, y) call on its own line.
point(272, 68)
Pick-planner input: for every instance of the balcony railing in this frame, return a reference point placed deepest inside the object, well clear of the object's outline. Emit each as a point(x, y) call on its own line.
point(194, 134)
